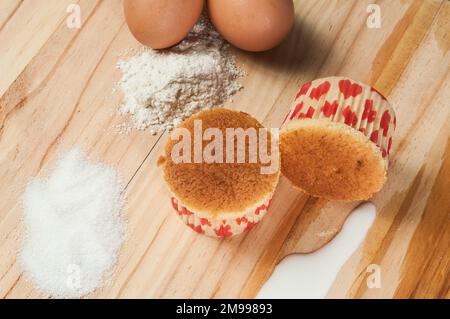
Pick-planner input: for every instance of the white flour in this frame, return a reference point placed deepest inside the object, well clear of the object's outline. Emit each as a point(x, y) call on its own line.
point(161, 88)
point(73, 227)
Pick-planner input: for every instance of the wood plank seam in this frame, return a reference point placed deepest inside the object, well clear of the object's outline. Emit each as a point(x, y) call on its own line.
point(40, 87)
point(11, 14)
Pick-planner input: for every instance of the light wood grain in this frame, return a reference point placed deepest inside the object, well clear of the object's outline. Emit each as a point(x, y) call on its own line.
point(56, 93)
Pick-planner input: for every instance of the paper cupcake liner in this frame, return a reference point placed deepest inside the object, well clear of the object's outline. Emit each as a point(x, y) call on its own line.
point(221, 227)
point(350, 102)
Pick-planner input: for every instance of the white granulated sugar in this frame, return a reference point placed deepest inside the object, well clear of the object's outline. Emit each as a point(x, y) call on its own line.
point(74, 228)
point(161, 88)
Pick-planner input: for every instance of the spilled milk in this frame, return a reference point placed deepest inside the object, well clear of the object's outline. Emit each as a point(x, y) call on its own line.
point(311, 275)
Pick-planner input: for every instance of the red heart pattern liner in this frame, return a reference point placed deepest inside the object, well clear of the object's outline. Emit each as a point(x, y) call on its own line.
point(220, 227)
point(340, 99)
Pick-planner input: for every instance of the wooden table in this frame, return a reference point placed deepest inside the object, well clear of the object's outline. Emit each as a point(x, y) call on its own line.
point(56, 93)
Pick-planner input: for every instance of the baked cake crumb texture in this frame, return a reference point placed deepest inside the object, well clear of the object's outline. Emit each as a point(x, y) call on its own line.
point(218, 187)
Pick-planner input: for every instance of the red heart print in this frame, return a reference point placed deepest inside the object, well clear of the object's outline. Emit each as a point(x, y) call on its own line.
point(369, 113)
point(263, 207)
point(384, 123)
point(309, 114)
point(297, 109)
point(223, 231)
point(329, 109)
point(180, 211)
point(205, 221)
point(322, 89)
point(374, 136)
point(174, 204)
point(241, 220)
point(185, 211)
point(349, 89)
point(303, 90)
point(350, 116)
point(197, 228)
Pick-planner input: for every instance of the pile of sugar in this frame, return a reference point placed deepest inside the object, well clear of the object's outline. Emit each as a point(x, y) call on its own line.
point(74, 228)
point(161, 88)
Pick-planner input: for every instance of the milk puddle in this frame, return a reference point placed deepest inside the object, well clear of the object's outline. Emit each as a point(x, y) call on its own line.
point(311, 275)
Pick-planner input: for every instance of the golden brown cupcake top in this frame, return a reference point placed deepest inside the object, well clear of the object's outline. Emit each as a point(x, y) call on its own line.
point(331, 160)
point(218, 187)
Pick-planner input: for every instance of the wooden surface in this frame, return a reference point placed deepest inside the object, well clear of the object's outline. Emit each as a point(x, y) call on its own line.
point(56, 93)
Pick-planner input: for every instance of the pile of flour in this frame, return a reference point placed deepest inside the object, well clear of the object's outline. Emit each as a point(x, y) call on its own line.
point(161, 88)
point(74, 228)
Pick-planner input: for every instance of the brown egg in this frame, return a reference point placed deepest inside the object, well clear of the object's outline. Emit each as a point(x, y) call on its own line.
point(161, 23)
point(252, 25)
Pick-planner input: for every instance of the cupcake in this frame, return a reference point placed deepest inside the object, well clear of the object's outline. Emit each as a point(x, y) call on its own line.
point(336, 139)
point(225, 194)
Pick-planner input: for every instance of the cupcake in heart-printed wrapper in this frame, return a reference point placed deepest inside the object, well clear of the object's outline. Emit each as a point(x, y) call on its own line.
point(336, 139)
point(220, 227)
point(220, 198)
